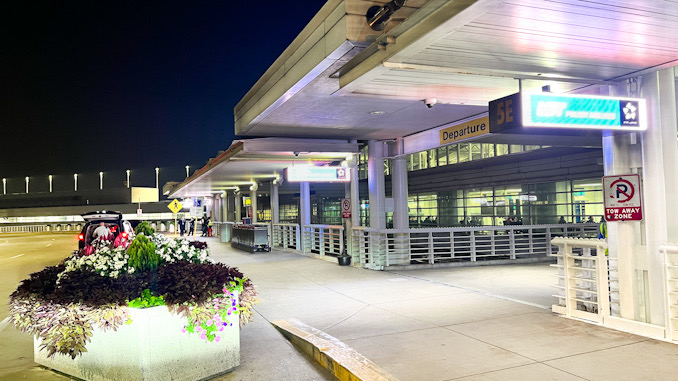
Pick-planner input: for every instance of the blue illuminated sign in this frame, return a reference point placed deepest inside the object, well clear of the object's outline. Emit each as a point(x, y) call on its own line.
point(583, 112)
point(318, 174)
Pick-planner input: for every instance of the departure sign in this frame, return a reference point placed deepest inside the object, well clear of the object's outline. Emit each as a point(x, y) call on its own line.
point(583, 112)
point(318, 174)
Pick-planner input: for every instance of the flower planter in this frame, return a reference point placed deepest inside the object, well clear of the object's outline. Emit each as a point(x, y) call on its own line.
point(152, 347)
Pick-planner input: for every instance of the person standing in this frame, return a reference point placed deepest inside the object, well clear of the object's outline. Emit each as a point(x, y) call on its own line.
point(182, 225)
point(209, 227)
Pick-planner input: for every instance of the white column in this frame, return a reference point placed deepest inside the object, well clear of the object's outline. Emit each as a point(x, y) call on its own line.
point(660, 179)
point(621, 236)
point(304, 210)
point(355, 192)
point(304, 203)
point(275, 203)
point(224, 206)
point(399, 186)
point(375, 183)
point(238, 206)
point(253, 199)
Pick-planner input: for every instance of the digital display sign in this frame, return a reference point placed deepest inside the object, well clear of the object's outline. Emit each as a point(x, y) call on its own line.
point(318, 174)
point(583, 112)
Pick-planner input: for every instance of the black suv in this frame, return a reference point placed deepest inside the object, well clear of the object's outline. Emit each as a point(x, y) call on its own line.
point(113, 220)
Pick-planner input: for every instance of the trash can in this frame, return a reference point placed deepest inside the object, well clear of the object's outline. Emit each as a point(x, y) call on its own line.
point(225, 230)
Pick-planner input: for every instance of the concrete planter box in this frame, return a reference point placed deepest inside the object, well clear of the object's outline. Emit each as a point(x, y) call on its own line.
point(152, 347)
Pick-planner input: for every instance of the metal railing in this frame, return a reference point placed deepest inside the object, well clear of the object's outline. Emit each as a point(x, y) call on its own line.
point(323, 239)
point(24, 229)
point(378, 249)
point(286, 237)
point(582, 279)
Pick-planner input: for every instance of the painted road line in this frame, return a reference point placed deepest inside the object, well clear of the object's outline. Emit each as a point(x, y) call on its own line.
point(16, 256)
point(343, 361)
point(49, 244)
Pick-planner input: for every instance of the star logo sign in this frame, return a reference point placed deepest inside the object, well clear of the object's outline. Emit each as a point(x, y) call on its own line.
point(341, 173)
point(630, 111)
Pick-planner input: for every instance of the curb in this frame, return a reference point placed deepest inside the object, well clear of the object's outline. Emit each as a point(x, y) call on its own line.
point(341, 360)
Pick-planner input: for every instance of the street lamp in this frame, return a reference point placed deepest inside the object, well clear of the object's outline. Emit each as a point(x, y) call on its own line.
point(50, 183)
point(75, 180)
point(128, 171)
point(187, 167)
point(157, 170)
point(4, 185)
point(26, 184)
point(101, 180)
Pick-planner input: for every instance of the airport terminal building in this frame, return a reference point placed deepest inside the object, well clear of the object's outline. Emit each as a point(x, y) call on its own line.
point(433, 133)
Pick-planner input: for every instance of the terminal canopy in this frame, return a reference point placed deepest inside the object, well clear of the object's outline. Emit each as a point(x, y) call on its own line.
point(257, 160)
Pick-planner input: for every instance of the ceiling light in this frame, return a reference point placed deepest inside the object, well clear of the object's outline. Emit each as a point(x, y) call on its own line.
point(377, 112)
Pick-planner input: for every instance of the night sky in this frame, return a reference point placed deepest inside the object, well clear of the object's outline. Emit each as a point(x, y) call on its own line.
point(90, 86)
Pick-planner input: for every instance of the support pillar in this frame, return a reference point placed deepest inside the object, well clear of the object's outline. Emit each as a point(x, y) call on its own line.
point(253, 202)
point(238, 206)
point(304, 210)
point(275, 203)
point(660, 179)
point(375, 183)
point(401, 218)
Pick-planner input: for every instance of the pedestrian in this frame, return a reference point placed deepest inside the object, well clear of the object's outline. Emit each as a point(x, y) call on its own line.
point(182, 225)
point(191, 226)
point(209, 227)
point(204, 226)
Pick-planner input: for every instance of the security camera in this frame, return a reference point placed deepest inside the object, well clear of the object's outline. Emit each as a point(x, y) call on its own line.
point(296, 154)
point(430, 102)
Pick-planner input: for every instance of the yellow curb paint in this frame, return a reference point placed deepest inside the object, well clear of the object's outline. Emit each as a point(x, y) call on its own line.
point(343, 361)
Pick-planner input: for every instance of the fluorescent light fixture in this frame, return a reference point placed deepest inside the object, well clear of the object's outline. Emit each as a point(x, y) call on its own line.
point(577, 111)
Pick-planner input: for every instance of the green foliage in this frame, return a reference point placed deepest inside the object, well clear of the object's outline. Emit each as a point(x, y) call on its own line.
point(146, 300)
point(197, 283)
point(142, 256)
point(144, 228)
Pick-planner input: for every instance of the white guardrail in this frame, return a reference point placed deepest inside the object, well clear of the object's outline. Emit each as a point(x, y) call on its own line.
point(670, 253)
point(286, 237)
point(323, 239)
point(583, 281)
point(378, 249)
point(24, 229)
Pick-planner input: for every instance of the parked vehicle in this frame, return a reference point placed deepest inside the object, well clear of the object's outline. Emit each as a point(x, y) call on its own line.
point(113, 221)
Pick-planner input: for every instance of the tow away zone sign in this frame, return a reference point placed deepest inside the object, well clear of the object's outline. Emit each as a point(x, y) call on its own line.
point(622, 198)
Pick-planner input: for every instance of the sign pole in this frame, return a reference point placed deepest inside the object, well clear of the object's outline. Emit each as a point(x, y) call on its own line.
point(176, 228)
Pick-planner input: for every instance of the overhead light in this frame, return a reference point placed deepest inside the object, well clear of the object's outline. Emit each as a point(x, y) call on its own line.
point(377, 112)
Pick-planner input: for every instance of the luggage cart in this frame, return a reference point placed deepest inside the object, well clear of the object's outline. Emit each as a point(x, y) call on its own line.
point(250, 238)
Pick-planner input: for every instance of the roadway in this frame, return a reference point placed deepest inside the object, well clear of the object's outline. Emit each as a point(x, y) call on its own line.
point(21, 255)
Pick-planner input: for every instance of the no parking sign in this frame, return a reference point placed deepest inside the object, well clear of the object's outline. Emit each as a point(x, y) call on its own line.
point(622, 198)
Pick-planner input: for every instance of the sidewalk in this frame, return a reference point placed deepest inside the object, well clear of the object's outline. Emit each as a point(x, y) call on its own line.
point(419, 328)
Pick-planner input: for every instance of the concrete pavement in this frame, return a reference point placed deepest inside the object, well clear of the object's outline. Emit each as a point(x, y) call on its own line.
point(417, 326)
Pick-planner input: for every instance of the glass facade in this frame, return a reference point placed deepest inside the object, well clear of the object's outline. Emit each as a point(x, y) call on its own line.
point(530, 204)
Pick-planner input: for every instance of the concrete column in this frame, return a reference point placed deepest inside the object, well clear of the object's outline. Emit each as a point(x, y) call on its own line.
point(399, 185)
point(304, 203)
point(224, 207)
point(355, 192)
point(304, 210)
point(275, 203)
point(238, 206)
point(375, 182)
point(660, 179)
point(621, 235)
point(253, 198)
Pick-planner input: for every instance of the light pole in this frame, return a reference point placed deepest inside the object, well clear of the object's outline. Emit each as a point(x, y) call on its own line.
point(4, 185)
point(26, 184)
point(157, 182)
point(75, 180)
point(187, 174)
point(101, 180)
point(128, 171)
point(50, 183)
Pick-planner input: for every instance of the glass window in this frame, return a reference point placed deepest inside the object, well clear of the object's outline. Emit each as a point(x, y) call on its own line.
point(423, 160)
point(488, 150)
point(476, 151)
point(515, 148)
point(432, 159)
point(502, 149)
point(452, 157)
point(464, 152)
point(442, 156)
point(415, 161)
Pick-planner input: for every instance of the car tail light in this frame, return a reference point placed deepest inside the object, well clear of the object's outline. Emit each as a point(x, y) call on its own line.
point(81, 237)
point(124, 234)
